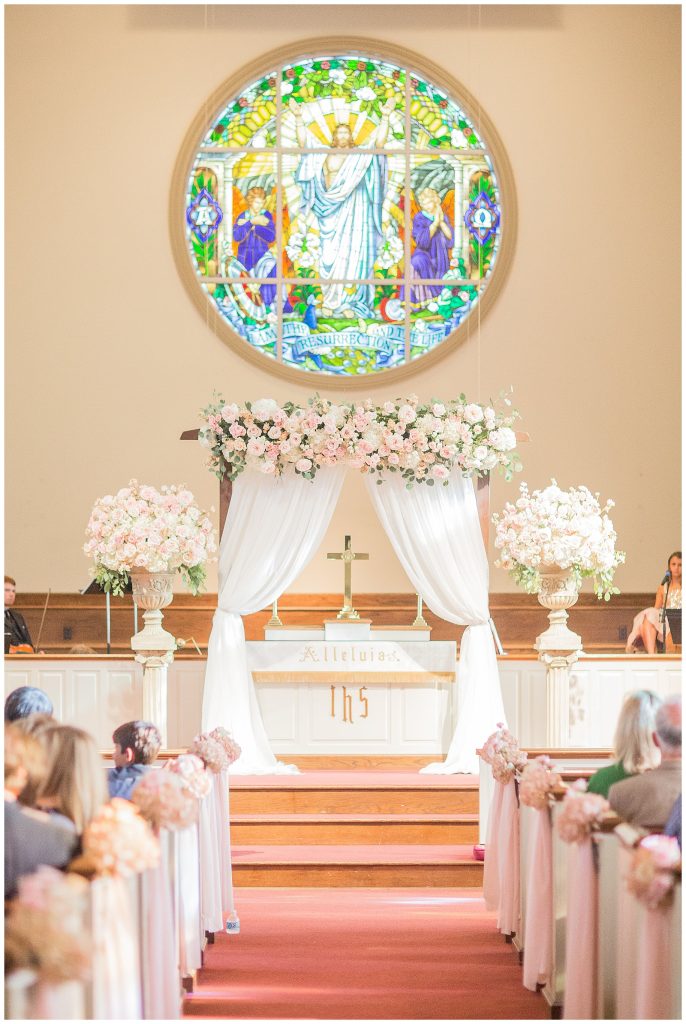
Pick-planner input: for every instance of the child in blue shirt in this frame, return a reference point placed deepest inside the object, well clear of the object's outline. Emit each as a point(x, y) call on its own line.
point(136, 746)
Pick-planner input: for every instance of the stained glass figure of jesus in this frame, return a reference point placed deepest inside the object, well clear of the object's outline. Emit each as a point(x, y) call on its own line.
point(345, 193)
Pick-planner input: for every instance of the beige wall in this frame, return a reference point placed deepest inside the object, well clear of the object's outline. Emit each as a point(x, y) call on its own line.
point(107, 359)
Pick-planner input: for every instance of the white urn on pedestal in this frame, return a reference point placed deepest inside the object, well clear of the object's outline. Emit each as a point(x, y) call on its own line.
point(558, 648)
point(153, 645)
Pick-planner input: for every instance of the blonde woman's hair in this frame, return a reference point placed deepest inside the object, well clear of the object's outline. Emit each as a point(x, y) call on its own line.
point(633, 742)
point(25, 764)
point(76, 777)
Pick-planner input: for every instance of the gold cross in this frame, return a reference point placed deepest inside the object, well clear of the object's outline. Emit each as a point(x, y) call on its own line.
point(347, 556)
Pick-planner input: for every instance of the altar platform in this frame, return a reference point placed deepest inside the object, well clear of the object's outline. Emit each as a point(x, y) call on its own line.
point(366, 828)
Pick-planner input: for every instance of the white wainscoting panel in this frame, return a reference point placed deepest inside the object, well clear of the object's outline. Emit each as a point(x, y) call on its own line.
point(100, 693)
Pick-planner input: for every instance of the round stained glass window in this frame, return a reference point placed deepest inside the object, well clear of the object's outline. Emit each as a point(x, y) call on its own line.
point(342, 214)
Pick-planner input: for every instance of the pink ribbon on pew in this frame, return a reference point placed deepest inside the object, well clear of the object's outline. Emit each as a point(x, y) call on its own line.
point(59, 1001)
point(538, 931)
point(210, 865)
point(508, 861)
point(654, 980)
point(188, 887)
point(582, 934)
point(159, 958)
point(221, 793)
point(491, 853)
point(116, 982)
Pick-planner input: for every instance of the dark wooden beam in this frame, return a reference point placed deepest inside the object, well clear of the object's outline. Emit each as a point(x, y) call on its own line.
point(225, 485)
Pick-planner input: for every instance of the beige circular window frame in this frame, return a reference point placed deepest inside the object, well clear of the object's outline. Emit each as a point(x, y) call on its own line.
point(316, 48)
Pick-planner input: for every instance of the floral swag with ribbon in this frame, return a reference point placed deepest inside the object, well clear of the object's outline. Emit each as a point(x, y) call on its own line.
point(422, 442)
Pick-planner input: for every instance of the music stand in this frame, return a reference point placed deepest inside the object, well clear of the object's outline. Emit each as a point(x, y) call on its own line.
point(674, 619)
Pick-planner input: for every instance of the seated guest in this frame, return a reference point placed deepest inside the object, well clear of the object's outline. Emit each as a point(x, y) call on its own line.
point(648, 625)
point(136, 745)
point(634, 749)
point(75, 788)
point(647, 799)
point(25, 762)
point(31, 837)
point(673, 826)
point(25, 701)
point(33, 725)
point(16, 630)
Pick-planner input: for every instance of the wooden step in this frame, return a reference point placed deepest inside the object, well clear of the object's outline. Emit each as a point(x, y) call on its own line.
point(363, 866)
point(352, 829)
point(349, 793)
point(337, 801)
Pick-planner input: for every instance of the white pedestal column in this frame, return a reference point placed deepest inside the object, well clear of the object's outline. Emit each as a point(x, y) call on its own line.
point(153, 646)
point(558, 649)
point(155, 688)
point(558, 666)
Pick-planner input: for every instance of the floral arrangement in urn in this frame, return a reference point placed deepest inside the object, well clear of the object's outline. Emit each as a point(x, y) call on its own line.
point(537, 782)
point(165, 801)
point(580, 812)
point(502, 751)
point(651, 874)
point(422, 442)
point(552, 530)
point(142, 529)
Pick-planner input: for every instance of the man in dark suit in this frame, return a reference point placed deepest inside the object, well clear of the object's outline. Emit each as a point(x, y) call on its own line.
point(16, 630)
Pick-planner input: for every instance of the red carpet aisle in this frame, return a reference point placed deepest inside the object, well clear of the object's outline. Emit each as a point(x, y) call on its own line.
point(362, 953)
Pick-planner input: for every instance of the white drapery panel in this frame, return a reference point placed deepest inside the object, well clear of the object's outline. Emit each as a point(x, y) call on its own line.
point(435, 533)
point(274, 527)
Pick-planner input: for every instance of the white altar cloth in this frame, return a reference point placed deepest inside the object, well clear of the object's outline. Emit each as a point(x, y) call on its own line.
point(361, 661)
point(362, 697)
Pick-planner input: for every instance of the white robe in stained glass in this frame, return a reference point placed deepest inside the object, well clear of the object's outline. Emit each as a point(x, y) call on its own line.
point(349, 218)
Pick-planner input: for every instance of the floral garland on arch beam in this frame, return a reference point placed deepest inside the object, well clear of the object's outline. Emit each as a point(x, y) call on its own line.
point(422, 442)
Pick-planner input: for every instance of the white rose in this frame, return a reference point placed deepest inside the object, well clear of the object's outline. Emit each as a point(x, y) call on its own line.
point(229, 413)
point(503, 439)
point(372, 437)
point(265, 409)
point(473, 413)
point(303, 465)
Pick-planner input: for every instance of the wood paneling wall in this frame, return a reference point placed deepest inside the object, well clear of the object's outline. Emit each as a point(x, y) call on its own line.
point(519, 618)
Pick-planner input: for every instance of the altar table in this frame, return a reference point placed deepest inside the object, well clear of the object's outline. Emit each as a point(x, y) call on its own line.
point(355, 697)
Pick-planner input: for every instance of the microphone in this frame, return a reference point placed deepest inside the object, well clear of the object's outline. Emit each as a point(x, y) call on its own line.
point(666, 578)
